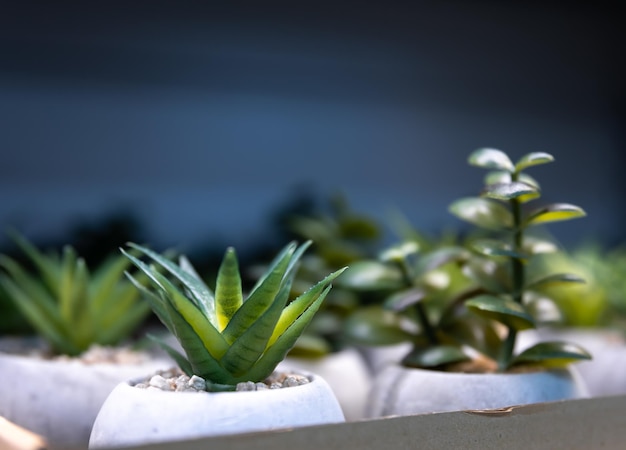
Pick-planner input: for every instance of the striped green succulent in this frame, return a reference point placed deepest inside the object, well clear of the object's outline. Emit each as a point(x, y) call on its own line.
point(69, 306)
point(227, 337)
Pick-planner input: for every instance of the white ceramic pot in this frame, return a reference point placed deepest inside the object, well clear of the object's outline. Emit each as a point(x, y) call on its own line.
point(346, 373)
point(59, 400)
point(379, 357)
point(133, 416)
point(605, 373)
point(402, 391)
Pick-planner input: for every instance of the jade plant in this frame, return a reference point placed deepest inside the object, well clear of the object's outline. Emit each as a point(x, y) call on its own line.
point(502, 255)
point(228, 337)
point(69, 306)
point(423, 289)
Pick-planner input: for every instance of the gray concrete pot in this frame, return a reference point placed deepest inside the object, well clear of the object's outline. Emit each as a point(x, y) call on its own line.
point(347, 374)
point(134, 416)
point(59, 400)
point(398, 390)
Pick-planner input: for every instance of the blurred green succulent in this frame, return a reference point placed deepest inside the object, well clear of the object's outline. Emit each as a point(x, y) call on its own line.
point(341, 236)
point(502, 256)
point(604, 292)
point(423, 294)
point(69, 306)
point(228, 338)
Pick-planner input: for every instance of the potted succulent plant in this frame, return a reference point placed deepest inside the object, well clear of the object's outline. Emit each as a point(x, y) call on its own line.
point(230, 342)
point(67, 370)
point(466, 358)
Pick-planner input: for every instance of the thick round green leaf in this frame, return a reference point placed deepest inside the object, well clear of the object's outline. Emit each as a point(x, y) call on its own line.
point(310, 346)
point(556, 279)
point(440, 257)
point(375, 326)
point(502, 310)
point(535, 246)
point(491, 158)
point(482, 212)
point(358, 227)
point(488, 273)
point(552, 354)
point(434, 356)
point(403, 299)
point(400, 252)
point(533, 159)
point(555, 212)
point(492, 247)
point(509, 191)
point(371, 276)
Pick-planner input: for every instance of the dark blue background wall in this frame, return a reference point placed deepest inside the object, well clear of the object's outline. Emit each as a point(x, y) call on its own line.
point(203, 117)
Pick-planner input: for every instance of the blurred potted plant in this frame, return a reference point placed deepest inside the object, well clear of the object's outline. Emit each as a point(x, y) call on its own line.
point(469, 351)
point(230, 342)
point(597, 323)
point(341, 237)
point(68, 369)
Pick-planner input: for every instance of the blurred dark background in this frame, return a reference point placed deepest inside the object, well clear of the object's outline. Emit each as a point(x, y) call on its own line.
point(197, 123)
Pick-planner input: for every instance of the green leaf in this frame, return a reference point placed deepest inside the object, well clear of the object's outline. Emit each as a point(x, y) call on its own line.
point(533, 159)
point(400, 301)
point(260, 299)
point(201, 296)
point(399, 252)
point(375, 326)
point(435, 356)
point(285, 342)
point(491, 158)
point(371, 276)
point(502, 310)
point(299, 305)
point(535, 246)
point(310, 346)
point(492, 247)
point(551, 354)
point(228, 294)
point(488, 273)
point(46, 265)
point(66, 283)
point(556, 279)
point(554, 213)
point(510, 191)
point(438, 258)
point(482, 212)
point(501, 177)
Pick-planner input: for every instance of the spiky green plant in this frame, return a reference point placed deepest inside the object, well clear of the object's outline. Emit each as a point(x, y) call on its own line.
point(228, 337)
point(501, 265)
point(67, 305)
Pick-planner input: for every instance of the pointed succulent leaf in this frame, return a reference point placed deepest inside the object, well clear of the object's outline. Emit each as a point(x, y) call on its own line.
point(39, 319)
point(286, 252)
point(66, 283)
point(371, 276)
point(105, 279)
point(375, 326)
point(435, 356)
point(46, 265)
point(482, 212)
point(533, 159)
point(156, 301)
point(297, 307)
point(279, 349)
point(247, 348)
point(491, 158)
point(228, 294)
point(400, 301)
point(201, 295)
point(492, 247)
point(182, 362)
point(202, 360)
point(554, 213)
point(551, 354)
point(210, 336)
point(556, 279)
point(510, 191)
point(502, 310)
point(259, 300)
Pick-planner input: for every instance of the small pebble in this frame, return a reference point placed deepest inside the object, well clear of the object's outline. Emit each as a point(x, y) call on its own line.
point(158, 381)
point(197, 383)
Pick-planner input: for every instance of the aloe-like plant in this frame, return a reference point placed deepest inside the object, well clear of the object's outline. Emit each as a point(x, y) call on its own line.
point(69, 306)
point(500, 266)
point(227, 337)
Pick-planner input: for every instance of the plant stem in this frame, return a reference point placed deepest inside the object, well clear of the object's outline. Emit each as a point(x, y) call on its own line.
point(422, 316)
point(517, 271)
